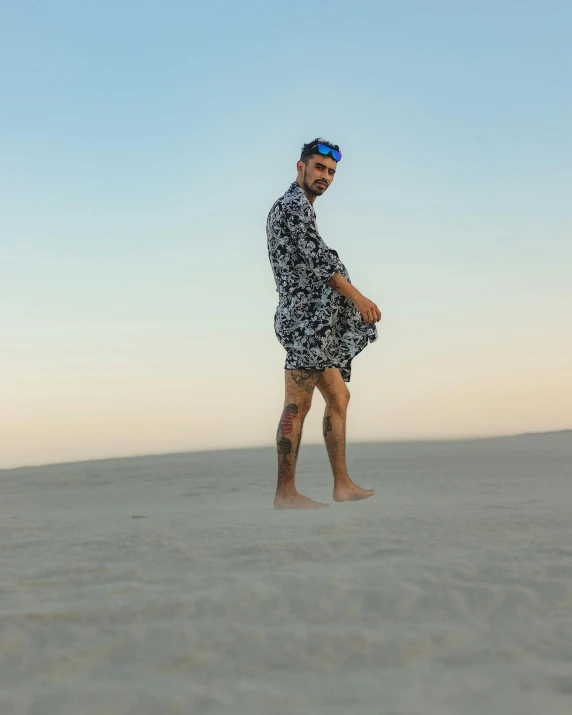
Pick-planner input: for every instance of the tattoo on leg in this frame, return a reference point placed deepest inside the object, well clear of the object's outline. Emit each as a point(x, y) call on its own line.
point(306, 378)
point(286, 421)
point(298, 445)
point(285, 465)
point(327, 425)
point(284, 447)
point(335, 441)
point(288, 446)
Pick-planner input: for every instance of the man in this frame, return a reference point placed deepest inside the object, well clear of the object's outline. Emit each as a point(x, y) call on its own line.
point(321, 320)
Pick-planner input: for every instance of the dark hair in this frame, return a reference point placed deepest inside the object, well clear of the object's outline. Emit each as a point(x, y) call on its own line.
point(311, 148)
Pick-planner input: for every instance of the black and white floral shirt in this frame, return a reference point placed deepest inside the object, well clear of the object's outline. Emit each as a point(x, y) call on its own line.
point(317, 326)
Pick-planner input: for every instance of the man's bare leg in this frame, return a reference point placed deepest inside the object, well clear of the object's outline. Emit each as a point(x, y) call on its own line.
point(299, 389)
point(336, 394)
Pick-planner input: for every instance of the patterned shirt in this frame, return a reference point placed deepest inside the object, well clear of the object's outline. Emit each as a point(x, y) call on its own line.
point(317, 326)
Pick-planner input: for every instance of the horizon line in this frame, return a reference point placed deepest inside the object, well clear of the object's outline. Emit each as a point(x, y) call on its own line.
point(272, 446)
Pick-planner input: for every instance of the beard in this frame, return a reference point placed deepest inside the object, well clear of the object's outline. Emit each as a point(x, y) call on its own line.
point(313, 189)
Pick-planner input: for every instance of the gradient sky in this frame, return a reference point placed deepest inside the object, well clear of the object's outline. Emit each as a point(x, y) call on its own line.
point(142, 145)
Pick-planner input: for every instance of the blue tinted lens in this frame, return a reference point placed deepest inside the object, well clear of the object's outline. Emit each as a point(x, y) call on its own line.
point(325, 150)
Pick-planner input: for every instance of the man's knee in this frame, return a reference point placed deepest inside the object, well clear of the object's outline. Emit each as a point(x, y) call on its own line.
point(304, 407)
point(339, 400)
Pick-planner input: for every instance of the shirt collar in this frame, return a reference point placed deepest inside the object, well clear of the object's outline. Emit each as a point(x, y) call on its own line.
point(296, 188)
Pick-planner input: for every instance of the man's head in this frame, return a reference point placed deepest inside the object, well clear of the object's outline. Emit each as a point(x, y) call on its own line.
point(317, 166)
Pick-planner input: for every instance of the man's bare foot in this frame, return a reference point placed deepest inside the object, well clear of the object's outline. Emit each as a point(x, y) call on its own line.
point(295, 501)
point(351, 492)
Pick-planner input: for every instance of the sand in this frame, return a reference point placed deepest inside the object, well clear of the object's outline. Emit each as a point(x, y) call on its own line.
point(168, 584)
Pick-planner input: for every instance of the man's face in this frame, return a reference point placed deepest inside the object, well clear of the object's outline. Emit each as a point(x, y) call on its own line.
point(317, 174)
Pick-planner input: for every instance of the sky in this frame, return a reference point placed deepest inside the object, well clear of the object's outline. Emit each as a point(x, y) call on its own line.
point(141, 147)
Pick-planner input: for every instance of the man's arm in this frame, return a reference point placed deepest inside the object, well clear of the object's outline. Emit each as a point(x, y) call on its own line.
point(311, 250)
point(368, 309)
point(339, 283)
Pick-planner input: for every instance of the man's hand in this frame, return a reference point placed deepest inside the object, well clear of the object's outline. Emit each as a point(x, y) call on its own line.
point(368, 309)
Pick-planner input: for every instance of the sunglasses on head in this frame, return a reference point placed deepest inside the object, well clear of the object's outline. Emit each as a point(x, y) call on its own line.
point(325, 150)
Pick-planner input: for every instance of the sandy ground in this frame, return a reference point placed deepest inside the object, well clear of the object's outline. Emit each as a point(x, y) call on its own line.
point(162, 585)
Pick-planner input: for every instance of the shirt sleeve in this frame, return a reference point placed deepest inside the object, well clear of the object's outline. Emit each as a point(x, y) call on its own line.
point(311, 248)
